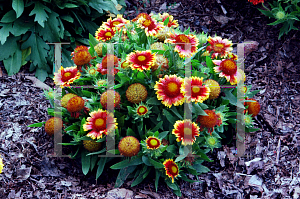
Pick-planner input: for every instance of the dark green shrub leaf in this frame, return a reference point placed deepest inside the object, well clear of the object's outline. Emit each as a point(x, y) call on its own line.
point(13, 63)
point(41, 74)
point(40, 13)
point(18, 6)
point(9, 17)
point(4, 32)
point(9, 47)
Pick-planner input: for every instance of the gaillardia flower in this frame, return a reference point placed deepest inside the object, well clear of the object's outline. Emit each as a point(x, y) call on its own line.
point(136, 93)
point(227, 68)
point(129, 146)
point(171, 168)
point(219, 46)
point(142, 110)
point(186, 45)
point(118, 22)
point(253, 107)
point(161, 61)
point(75, 104)
point(141, 60)
point(171, 23)
point(101, 123)
point(150, 25)
point(92, 145)
point(195, 90)
point(153, 142)
point(170, 90)
point(186, 131)
point(81, 55)
point(104, 34)
point(66, 76)
point(255, 2)
point(110, 95)
point(145, 15)
point(214, 88)
point(109, 58)
point(208, 121)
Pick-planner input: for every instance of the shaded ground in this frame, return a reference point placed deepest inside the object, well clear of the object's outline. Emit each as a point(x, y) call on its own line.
point(270, 168)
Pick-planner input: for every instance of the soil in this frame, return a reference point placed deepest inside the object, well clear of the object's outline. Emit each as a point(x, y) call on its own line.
point(270, 167)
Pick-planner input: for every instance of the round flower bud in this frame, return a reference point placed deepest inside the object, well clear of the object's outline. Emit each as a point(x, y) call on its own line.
point(53, 125)
point(92, 145)
point(214, 88)
point(129, 146)
point(136, 93)
point(64, 100)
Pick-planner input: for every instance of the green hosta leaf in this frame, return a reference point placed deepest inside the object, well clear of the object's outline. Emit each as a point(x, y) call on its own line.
point(40, 13)
point(9, 17)
point(39, 49)
point(86, 162)
point(13, 63)
point(18, 6)
point(4, 32)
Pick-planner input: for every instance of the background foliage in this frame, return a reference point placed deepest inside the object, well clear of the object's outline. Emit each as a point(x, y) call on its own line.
point(28, 25)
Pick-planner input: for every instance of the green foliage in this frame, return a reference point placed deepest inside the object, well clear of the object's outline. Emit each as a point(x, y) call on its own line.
point(286, 14)
point(26, 28)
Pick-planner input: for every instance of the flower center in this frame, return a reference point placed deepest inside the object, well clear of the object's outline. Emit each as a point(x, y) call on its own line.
point(174, 169)
point(247, 120)
point(141, 58)
point(116, 23)
point(187, 131)
point(153, 142)
point(142, 110)
point(228, 67)
point(67, 74)
point(211, 141)
point(108, 34)
point(172, 87)
point(99, 122)
point(147, 22)
point(196, 89)
point(184, 39)
point(92, 71)
point(219, 47)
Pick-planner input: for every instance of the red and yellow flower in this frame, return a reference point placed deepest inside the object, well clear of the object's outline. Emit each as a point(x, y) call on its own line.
point(171, 168)
point(186, 45)
point(186, 131)
point(153, 142)
point(117, 22)
point(101, 123)
point(141, 60)
point(145, 15)
point(172, 23)
point(104, 34)
point(102, 67)
point(81, 55)
point(195, 90)
point(227, 68)
point(66, 76)
point(219, 46)
point(208, 121)
point(151, 26)
point(170, 90)
point(255, 2)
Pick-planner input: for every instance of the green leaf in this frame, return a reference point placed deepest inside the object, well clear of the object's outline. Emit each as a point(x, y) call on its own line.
point(101, 165)
point(126, 163)
point(171, 185)
point(13, 63)
point(146, 160)
point(4, 32)
point(153, 101)
point(39, 49)
point(8, 48)
point(200, 168)
point(175, 111)
point(40, 124)
point(266, 12)
point(156, 164)
point(95, 4)
point(169, 116)
point(123, 174)
point(67, 18)
point(157, 175)
point(40, 13)
point(210, 64)
point(93, 40)
point(9, 17)
point(86, 162)
point(162, 135)
point(87, 93)
point(229, 96)
point(94, 159)
point(18, 6)
point(157, 126)
point(20, 26)
point(141, 176)
point(51, 31)
point(196, 108)
point(41, 74)
point(166, 21)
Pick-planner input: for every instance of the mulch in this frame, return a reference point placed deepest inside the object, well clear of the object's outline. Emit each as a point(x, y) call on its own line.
point(270, 167)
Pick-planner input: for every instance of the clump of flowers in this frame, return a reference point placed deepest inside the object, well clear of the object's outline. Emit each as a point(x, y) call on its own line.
point(173, 100)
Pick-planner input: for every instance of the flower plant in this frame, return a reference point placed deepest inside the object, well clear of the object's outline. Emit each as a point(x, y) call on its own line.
point(285, 12)
point(159, 97)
